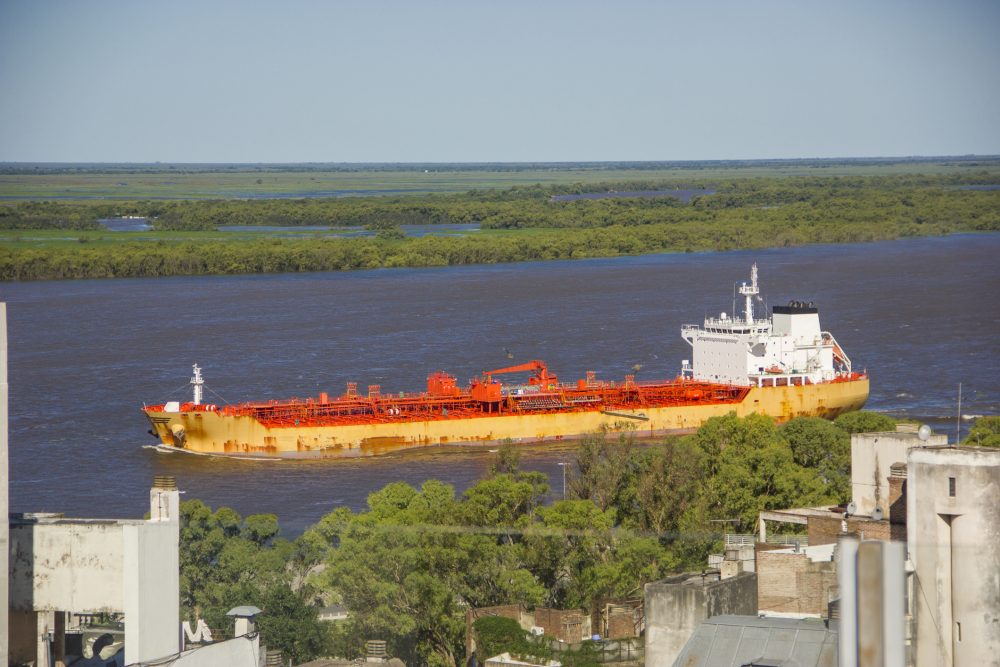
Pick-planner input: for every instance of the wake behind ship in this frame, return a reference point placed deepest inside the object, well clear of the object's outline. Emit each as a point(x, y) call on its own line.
point(783, 366)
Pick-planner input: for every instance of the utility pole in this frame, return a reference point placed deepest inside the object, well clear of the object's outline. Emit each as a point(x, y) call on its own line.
point(562, 465)
point(958, 418)
point(4, 505)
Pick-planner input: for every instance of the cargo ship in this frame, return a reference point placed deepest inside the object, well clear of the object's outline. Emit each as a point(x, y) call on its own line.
point(783, 366)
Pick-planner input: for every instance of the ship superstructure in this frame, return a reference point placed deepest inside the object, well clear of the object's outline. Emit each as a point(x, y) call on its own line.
point(783, 366)
point(788, 348)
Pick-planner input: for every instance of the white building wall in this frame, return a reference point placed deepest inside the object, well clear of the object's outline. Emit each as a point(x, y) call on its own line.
point(74, 566)
point(94, 565)
point(953, 535)
point(871, 456)
point(152, 582)
point(239, 652)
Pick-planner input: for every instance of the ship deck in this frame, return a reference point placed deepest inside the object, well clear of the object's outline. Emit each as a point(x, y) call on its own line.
point(375, 407)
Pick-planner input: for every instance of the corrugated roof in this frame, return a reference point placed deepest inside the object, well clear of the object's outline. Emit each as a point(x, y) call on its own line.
point(736, 641)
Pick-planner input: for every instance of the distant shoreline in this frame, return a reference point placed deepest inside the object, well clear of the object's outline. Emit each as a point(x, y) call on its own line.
point(16, 166)
point(526, 216)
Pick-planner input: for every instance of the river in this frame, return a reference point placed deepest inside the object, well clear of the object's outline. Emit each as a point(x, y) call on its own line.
point(921, 315)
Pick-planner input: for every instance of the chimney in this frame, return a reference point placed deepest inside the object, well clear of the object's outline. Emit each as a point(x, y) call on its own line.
point(164, 499)
point(245, 619)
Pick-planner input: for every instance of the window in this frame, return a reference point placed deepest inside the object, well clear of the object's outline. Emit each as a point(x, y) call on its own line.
point(951, 487)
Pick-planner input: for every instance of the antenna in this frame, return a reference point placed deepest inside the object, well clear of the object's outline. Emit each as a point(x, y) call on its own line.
point(958, 419)
point(733, 309)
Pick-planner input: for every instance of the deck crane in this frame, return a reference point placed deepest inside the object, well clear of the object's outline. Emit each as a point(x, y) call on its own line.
point(541, 377)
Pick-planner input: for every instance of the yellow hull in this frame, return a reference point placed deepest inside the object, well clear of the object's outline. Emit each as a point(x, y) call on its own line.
point(215, 433)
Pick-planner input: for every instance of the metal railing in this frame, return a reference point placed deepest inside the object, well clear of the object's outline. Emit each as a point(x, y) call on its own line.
point(607, 650)
point(739, 540)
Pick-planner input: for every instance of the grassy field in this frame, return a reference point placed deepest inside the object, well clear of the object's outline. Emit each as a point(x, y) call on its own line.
point(238, 181)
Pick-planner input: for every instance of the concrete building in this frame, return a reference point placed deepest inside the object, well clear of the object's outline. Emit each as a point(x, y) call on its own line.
point(872, 455)
point(878, 486)
point(97, 566)
point(676, 605)
point(953, 538)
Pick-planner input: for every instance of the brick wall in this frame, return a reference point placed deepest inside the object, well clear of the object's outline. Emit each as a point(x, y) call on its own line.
point(569, 625)
point(621, 625)
point(791, 583)
point(897, 500)
point(870, 530)
point(618, 618)
point(824, 530)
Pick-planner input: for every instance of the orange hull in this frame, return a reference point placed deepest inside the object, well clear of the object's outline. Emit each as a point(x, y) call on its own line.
point(486, 412)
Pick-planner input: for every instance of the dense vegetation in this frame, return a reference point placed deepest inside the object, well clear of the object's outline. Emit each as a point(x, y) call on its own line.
point(985, 432)
point(409, 566)
point(522, 223)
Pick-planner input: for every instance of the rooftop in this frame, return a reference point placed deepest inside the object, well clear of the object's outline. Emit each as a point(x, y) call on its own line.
point(724, 641)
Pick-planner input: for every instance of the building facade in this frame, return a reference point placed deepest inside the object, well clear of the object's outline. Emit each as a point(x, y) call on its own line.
point(953, 538)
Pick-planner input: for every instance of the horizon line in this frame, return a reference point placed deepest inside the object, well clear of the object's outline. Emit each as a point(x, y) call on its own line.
point(964, 156)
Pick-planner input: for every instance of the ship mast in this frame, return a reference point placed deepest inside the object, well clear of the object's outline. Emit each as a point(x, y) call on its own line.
point(750, 291)
point(197, 382)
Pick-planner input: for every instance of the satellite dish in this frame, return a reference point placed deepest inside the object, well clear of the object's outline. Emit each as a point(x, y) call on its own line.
point(924, 432)
point(877, 514)
point(852, 508)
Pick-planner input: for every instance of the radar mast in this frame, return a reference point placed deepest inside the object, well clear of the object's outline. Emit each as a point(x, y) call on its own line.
point(750, 291)
point(197, 382)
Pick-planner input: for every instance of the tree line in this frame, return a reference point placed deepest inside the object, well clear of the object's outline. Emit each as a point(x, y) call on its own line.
point(527, 225)
point(409, 565)
point(132, 259)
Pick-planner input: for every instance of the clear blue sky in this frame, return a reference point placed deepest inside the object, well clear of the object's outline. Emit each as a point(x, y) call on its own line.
point(370, 81)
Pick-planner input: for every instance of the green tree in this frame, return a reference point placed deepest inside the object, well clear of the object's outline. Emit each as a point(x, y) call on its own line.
point(497, 634)
point(605, 470)
point(226, 561)
point(407, 570)
point(580, 556)
point(985, 432)
point(750, 468)
point(291, 624)
point(390, 234)
point(864, 421)
point(822, 446)
point(667, 484)
point(507, 459)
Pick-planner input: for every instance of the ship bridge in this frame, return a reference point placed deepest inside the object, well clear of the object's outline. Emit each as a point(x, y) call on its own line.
point(789, 348)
